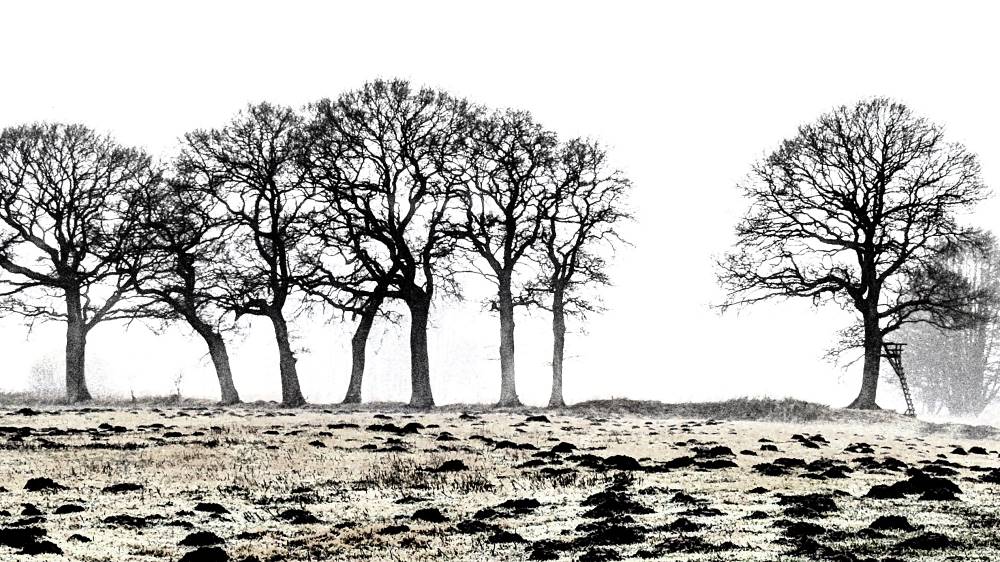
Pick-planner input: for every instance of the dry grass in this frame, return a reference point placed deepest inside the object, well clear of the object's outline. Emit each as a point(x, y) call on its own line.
point(745, 408)
point(261, 461)
point(765, 409)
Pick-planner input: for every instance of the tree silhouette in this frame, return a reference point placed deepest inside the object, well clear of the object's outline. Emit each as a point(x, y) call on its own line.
point(182, 243)
point(853, 210)
point(389, 159)
point(587, 206)
point(340, 277)
point(252, 169)
point(502, 212)
point(66, 219)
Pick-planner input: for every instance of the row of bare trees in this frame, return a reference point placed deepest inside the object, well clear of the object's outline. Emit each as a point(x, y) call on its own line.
point(387, 193)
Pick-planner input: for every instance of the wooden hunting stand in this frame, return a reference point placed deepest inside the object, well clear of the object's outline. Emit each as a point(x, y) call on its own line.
point(894, 353)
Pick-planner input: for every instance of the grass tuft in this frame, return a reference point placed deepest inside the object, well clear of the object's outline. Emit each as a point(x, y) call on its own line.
point(770, 409)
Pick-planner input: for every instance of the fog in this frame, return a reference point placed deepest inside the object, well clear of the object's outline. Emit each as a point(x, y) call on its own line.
point(686, 95)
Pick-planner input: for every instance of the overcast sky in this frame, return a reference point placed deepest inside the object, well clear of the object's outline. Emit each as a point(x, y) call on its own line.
point(687, 96)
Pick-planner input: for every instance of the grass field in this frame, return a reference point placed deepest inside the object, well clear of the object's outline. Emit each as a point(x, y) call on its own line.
point(740, 480)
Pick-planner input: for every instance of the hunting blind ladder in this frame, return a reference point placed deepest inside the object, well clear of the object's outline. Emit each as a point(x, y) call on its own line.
point(894, 353)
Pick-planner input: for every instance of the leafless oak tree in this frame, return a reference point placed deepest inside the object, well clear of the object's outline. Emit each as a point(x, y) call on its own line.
point(391, 164)
point(502, 211)
point(339, 274)
point(66, 217)
point(588, 204)
point(182, 245)
point(853, 210)
point(252, 168)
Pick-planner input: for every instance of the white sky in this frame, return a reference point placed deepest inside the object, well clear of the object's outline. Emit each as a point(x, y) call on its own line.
point(687, 95)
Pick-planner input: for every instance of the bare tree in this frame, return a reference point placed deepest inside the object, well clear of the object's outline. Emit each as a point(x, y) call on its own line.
point(366, 306)
point(503, 211)
point(959, 370)
point(183, 243)
point(853, 210)
point(388, 159)
point(588, 204)
point(252, 169)
point(66, 217)
point(342, 279)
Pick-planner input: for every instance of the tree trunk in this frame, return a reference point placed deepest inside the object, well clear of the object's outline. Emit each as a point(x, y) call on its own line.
point(359, 344)
point(873, 359)
point(508, 384)
point(558, 345)
point(291, 394)
point(420, 373)
point(220, 359)
point(76, 349)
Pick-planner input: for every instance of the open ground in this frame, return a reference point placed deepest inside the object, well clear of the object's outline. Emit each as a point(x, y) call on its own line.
point(741, 480)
